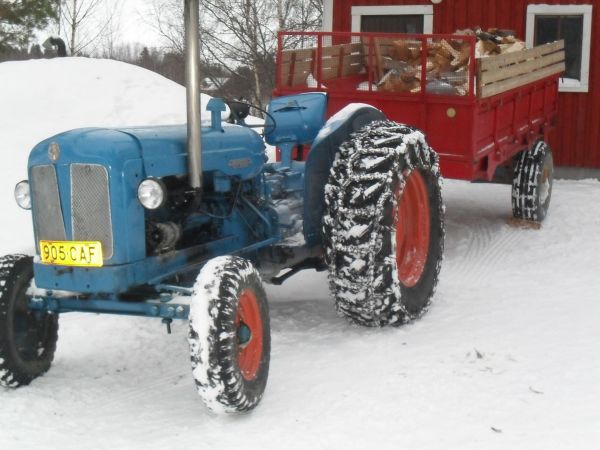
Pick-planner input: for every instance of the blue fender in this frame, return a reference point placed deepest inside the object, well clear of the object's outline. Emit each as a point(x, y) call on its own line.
point(336, 131)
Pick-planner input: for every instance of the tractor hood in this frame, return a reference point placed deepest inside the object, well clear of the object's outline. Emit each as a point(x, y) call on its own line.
point(233, 150)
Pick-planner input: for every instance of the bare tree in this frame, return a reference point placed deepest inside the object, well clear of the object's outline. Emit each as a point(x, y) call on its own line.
point(299, 15)
point(86, 23)
point(111, 36)
point(240, 34)
point(236, 33)
point(166, 16)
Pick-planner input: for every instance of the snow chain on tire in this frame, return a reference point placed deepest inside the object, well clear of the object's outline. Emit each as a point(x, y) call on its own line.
point(532, 183)
point(359, 229)
point(27, 339)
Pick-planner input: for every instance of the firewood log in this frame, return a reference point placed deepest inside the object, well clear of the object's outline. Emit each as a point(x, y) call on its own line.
point(393, 81)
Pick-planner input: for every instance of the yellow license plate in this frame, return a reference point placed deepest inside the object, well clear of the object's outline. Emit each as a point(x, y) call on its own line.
point(72, 253)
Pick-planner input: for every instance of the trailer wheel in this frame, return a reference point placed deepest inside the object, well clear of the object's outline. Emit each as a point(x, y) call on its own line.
point(532, 183)
point(27, 338)
point(384, 225)
point(229, 335)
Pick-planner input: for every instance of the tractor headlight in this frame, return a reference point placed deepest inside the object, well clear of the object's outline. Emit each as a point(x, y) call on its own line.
point(22, 195)
point(152, 193)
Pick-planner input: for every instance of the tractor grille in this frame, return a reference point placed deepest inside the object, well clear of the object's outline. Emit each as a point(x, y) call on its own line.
point(90, 206)
point(46, 204)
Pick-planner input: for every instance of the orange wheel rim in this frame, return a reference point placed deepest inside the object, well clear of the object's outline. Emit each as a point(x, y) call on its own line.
point(412, 229)
point(248, 323)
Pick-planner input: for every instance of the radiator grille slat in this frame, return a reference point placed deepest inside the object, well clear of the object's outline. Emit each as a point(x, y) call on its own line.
point(47, 211)
point(90, 206)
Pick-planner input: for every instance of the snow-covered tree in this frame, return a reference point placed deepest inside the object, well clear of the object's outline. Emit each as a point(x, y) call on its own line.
point(20, 18)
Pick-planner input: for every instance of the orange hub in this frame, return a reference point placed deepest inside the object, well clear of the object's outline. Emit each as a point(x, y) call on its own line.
point(413, 225)
point(249, 328)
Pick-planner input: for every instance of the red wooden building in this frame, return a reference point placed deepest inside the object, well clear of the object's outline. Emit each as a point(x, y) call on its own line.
point(576, 142)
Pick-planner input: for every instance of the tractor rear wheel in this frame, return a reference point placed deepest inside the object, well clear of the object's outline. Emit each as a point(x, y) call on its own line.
point(532, 183)
point(229, 335)
point(27, 338)
point(384, 225)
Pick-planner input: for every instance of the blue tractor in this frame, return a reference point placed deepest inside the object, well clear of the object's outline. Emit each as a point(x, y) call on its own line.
point(187, 222)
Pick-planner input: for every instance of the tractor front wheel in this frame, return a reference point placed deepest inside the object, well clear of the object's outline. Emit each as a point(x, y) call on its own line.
point(229, 335)
point(27, 338)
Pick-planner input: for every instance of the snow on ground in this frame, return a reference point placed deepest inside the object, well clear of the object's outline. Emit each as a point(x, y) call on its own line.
point(506, 358)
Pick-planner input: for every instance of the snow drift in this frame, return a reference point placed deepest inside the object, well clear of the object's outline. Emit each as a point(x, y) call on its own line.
point(40, 98)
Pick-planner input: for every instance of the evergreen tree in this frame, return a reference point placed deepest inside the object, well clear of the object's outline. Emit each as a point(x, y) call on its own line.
point(145, 60)
point(36, 51)
point(19, 19)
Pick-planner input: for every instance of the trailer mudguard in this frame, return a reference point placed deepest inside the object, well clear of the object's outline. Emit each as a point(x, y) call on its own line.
point(336, 131)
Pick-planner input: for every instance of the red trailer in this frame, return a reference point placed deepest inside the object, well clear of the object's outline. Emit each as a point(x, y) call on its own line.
point(488, 121)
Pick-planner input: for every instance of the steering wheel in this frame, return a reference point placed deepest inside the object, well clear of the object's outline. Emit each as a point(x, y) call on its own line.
point(239, 114)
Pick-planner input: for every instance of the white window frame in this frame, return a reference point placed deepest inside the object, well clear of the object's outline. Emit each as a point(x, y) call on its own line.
point(566, 85)
point(407, 10)
point(327, 15)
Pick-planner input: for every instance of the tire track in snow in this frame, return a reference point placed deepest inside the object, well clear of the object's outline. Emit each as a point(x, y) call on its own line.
point(495, 253)
point(463, 258)
point(487, 248)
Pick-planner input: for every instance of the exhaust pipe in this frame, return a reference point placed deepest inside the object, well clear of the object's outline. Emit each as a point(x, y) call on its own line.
point(192, 84)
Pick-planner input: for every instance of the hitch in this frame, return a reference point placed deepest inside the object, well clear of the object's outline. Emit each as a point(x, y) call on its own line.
point(310, 263)
point(167, 321)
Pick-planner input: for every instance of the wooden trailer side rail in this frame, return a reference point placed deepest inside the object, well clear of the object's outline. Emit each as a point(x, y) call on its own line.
point(336, 61)
point(340, 61)
point(502, 73)
point(296, 65)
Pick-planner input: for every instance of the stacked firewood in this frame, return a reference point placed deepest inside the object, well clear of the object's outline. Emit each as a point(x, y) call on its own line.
point(447, 61)
point(494, 41)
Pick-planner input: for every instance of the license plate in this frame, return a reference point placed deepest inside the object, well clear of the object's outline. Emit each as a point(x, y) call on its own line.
point(72, 253)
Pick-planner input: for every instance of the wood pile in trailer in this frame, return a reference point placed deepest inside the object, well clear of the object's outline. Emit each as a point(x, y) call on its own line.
point(399, 64)
point(505, 72)
point(399, 61)
point(395, 64)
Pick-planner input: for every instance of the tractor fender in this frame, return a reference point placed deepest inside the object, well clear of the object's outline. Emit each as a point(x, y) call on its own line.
point(334, 133)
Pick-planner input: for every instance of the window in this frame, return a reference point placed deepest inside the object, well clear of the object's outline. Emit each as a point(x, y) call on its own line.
point(548, 23)
point(393, 19)
point(410, 23)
